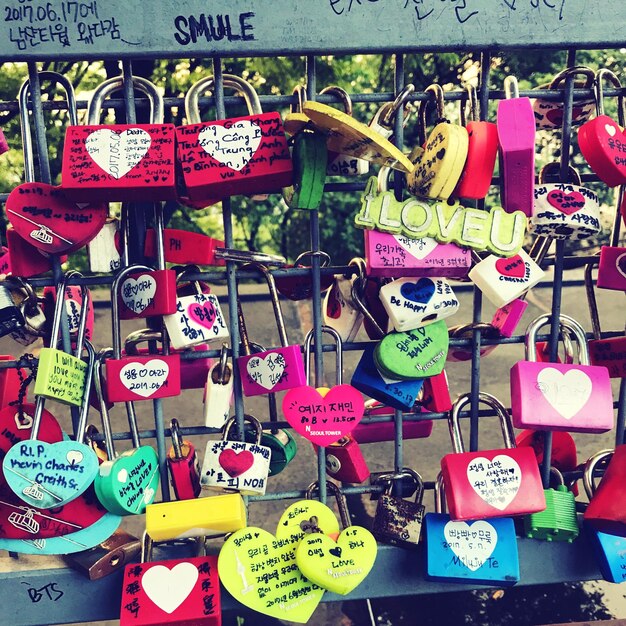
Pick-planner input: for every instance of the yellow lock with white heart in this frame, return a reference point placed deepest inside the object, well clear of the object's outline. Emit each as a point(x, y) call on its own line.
point(441, 164)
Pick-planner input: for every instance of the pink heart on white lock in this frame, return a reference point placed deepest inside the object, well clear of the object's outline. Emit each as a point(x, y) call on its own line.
point(144, 379)
point(202, 314)
point(492, 489)
point(418, 248)
point(169, 588)
point(323, 419)
point(461, 538)
point(233, 146)
point(566, 392)
point(118, 153)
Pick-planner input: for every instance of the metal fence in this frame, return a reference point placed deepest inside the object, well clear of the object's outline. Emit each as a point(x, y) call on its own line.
point(439, 26)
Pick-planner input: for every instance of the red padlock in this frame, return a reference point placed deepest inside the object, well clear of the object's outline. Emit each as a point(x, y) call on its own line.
point(26, 261)
point(345, 461)
point(242, 155)
point(482, 151)
point(301, 287)
point(184, 248)
point(436, 393)
point(122, 161)
point(601, 140)
point(490, 483)
point(182, 461)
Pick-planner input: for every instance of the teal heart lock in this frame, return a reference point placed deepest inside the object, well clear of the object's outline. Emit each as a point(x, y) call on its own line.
point(127, 483)
point(48, 475)
point(414, 354)
point(81, 540)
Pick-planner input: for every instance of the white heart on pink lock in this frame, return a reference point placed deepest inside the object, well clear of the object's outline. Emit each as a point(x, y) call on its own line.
point(323, 419)
point(418, 248)
point(118, 153)
point(144, 379)
point(566, 392)
point(267, 371)
point(233, 146)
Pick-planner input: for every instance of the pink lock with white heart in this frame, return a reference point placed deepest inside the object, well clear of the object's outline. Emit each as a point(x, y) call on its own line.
point(561, 396)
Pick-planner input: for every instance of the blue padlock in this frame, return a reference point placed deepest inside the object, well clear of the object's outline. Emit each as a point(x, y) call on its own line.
point(482, 551)
point(610, 550)
point(399, 394)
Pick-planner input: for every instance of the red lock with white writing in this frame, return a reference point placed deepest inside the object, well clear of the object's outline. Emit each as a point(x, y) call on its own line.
point(561, 396)
point(122, 162)
point(242, 155)
point(490, 483)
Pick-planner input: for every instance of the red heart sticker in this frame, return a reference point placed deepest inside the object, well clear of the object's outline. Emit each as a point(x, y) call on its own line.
point(567, 203)
point(236, 463)
point(513, 266)
point(43, 216)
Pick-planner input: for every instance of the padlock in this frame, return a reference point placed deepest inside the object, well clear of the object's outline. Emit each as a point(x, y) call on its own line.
point(562, 451)
point(558, 522)
point(366, 297)
point(609, 352)
point(610, 550)
point(102, 251)
point(181, 592)
point(218, 392)
point(95, 440)
point(503, 280)
point(61, 376)
point(506, 318)
point(374, 432)
point(415, 354)
point(5, 261)
point(561, 396)
point(399, 394)
point(26, 261)
point(271, 370)
point(236, 465)
point(198, 318)
point(184, 248)
point(606, 512)
point(398, 521)
point(126, 483)
point(11, 318)
point(564, 209)
point(549, 113)
point(242, 155)
point(183, 464)
point(145, 291)
point(601, 140)
point(73, 308)
point(44, 215)
point(339, 310)
point(483, 551)
point(301, 287)
point(106, 558)
point(323, 415)
point(516, 138)
point(439, 168)
point(466, 332)
point(414, 303)
point(482, 151)
point(490, 483)
point(612, 264)
point(123, 162)
point(10, 378)
point(345, 461)
point(383, 122)
point(64, 470)
point(36, 324)
point(435, 396)
point(194, 372)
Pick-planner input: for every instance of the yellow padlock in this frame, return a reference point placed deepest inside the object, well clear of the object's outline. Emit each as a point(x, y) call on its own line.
point(212, 516)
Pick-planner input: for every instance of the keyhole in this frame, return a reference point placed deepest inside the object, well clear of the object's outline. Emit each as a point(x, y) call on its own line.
point(114, 561)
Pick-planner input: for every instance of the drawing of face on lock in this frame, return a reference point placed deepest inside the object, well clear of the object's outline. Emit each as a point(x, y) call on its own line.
point(242, 155)
point(45, 216)
point(120, 162)
point(231, 465)
point(126, 483)
point(601, 140)
point(549, 113)
point(440, 166)
point(198, 318)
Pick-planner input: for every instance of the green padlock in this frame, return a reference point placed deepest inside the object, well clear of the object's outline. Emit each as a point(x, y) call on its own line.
point(558, 522)
point(310, 157)
point(61, 376)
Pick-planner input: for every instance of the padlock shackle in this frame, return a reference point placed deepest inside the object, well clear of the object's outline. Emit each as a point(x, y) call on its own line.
point(27, 138)
point(590, 468)
point(342, 504)
point(184, 272)
point(258, 428)
point(109, 86)
point(576, 70)
point(159, 233)
point(598, 90)
point(357, 291)
point(550, 169)
point(115, 306)
point(472, 103)
point(437, 96)
point(177, 439)
point(511, 87)
point(342, 94)
point(567, 322)
point(486, 398)
point(83, 414)
point(142, 335)
point(224, 372)
point(147, 546)
point(278, 314)
point(300, 91)
point(308, 342)
point(592, 302)
point(392, 108)
point(104, 354)
point(440, 495)
point(229, 81)
point(405, 471)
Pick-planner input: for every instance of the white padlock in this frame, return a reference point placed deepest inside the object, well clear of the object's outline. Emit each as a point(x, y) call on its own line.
point(237, 465)
point(198, 319)
point(101, 250)
point(218, 393)
point(411, 303)
point(502, 280)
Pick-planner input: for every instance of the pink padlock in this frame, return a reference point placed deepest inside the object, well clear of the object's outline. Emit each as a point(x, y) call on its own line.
point(561, 396)
point(435, 397)
point(398, 256)
point(516, 137)
point(507, 317)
